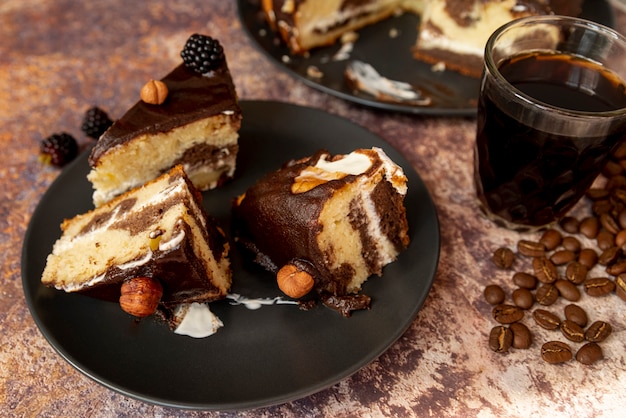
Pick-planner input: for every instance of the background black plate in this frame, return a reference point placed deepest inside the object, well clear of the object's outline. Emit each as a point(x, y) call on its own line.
point(259, 358)
point(453, 94)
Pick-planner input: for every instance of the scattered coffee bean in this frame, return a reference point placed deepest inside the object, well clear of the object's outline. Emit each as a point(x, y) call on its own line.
point(576, 314)
point(597, 193)
point(620, 238)
point(523, 298)
point(503, 257)
point(609, 256)
point(554, 352)
point(599, 286)
point(621, 219)
point(567, 289)
point(551, 239)
point(572, 331)
point(546, 319)
point(589, 353)
point(500, 339)
point(522, 338)
point(546, 294)
point(615, 182)
point(494, 295)
point(612, 168)
point(588, 257)
point(609, 223)
point(617, 268)
point(569, 224)
point(620, 286)
point(525, 280)
point(531, 248)
point(576, 272)
point(589, 227)
point(571, 244)
point(507, 314)
point(545, 270)
point(562, 257)
point(598, 331)
point(601, 206)
point(605, 240)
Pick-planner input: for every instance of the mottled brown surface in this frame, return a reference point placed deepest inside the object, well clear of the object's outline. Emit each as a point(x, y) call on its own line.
point(58, 57)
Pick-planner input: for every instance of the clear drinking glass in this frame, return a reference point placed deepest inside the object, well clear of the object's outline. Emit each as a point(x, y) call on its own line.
point(552, 108)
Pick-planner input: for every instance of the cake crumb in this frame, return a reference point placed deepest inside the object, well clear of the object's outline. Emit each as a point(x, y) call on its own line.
point(314, 72)
point(439, 67)
point(394, 33)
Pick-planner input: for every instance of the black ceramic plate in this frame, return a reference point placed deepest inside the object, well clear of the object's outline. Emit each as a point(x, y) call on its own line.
point(452, 93)
point(272, 355)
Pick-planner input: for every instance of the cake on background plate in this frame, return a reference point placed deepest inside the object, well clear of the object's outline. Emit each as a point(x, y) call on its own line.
point(453, 32)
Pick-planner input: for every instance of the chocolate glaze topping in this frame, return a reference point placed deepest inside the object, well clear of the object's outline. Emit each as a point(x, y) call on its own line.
point(191, 97)
point(280, 227)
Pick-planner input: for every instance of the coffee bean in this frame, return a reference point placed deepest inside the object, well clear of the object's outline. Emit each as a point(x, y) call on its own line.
point(576, 314)
point(531, 248)
point(569, 224)
point(522, 338)
point(598, 286)
point(545, 270)
point(503, 257)
point(576, 272)
point(617, 268)
point(500, 339)
point(546, 319)
point(601, 206)
point(555, 352)
point(609, 223)
point(494, 294)
point(589, 353)
point(597, 193)
point(621, 219)
point(598, 331)
point(589, 227)
point(588, 257)
point(507, 314)
point(609, 256)
point(571, 244)
point(620, 238)
point(572, 331)
point(525, 280)
point(567, 289)
point(551, 239)
point(620, 286)
point(523, 298)
point(615, 182)
point(563, 257)
point(605, 240)
point(546, 294)
point(611, 169)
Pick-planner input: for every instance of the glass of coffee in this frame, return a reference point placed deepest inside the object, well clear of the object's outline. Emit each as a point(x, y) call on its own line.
point(552, 108)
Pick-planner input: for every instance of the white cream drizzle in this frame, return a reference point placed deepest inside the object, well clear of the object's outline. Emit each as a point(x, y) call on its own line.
point(254, 304)
point(197, 320)
point(172, 243)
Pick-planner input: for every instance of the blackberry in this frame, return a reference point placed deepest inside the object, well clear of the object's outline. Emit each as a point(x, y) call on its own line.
point(95, 122)
point(202, 53)
point(58, 149)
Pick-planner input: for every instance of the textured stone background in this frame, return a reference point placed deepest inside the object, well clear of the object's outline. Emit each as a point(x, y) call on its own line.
point(58, 57)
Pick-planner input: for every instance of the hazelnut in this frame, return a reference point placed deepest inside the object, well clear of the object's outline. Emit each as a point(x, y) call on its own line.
point(140, 296)
point(154, 92)
point(293, 281)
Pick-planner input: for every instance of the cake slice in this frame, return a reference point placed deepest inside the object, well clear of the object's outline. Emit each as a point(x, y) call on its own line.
point(158, 233)
point(197, 126)
point(336, 219)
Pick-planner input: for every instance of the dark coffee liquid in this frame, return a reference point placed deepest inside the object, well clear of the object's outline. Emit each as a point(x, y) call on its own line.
point(532, 177)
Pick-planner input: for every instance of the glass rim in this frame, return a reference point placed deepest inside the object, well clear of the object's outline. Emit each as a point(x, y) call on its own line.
point(492, 67)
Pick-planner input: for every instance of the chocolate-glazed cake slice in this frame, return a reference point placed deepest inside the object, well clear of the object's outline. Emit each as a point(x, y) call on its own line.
point(197, 126)
point(159, 231)
point(338, 219)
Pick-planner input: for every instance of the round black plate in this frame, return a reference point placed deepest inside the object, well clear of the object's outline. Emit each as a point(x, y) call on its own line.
point(453, 94)
point(259, 358)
